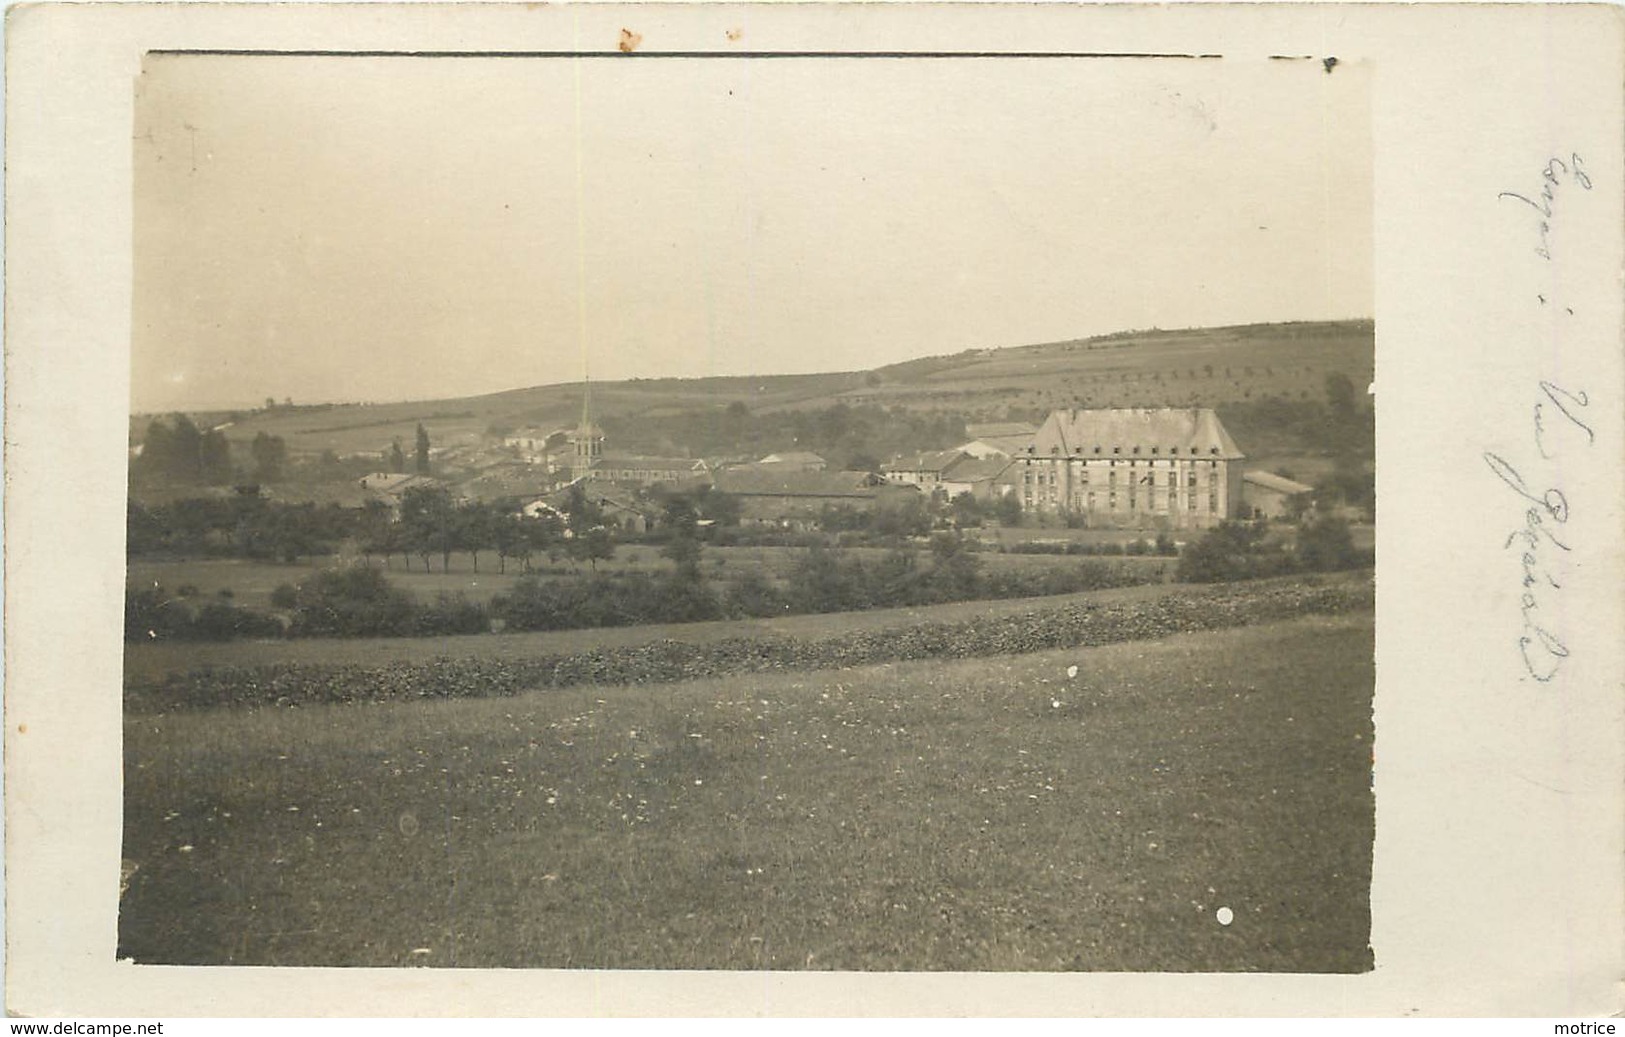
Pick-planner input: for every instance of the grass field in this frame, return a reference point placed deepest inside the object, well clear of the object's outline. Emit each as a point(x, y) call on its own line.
point(985, 814)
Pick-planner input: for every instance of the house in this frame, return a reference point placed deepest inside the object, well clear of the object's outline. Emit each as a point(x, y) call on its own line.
point(799, 498)
point(531, 442)
point(1267, 495)
point(1137, 467)
point(997, 439)
point(800, 460)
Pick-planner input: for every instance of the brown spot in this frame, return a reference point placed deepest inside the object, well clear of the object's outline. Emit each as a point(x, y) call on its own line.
point(734, 34)
point(629, 41)
point(22, 729)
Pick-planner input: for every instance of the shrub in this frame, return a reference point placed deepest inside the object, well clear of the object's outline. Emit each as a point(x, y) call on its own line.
point(1232, 551)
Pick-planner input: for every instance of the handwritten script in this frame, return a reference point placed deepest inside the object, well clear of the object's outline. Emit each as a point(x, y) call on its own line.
point(1559, 423)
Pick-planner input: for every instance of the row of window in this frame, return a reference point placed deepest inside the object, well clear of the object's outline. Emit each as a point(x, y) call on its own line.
point(1090, 501)
point(1044, 477)
point(1113, 464)
point(1056, 450)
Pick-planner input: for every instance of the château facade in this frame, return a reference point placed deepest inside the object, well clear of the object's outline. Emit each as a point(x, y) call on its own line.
point(1173, 468)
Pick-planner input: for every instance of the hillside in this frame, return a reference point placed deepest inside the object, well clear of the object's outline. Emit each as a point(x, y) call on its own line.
point(1205, 366)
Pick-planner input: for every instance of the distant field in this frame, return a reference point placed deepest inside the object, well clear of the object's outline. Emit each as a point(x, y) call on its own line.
point(991, 814)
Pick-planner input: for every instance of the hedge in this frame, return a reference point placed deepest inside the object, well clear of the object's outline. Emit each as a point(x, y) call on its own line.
point(1066, 626)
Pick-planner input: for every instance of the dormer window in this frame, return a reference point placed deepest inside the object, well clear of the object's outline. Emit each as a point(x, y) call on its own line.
point(1214, 451)
point(1097, 449)
point(1117, 450)
point(1136, 450)
point(1154, 450)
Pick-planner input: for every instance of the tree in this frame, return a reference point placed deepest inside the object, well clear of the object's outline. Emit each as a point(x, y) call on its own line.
point(592, 546)
point(1007, 509)
point(1224, 553)
point(429, 517)
point(214, 456)
point(423, 451)
point(269, 453)
point(682, 520)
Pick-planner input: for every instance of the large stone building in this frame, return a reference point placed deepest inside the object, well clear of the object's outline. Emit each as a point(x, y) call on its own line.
point(1141, 468)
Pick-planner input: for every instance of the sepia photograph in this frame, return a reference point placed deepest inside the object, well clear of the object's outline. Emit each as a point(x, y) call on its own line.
point(747, 511)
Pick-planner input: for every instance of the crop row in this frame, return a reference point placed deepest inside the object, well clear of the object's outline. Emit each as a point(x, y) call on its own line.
point(1066, 626)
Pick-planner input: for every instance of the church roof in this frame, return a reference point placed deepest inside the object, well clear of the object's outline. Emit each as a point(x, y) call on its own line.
point(1141, 432)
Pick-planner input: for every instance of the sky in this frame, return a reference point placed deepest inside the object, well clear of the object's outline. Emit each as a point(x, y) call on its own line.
point(376, 229)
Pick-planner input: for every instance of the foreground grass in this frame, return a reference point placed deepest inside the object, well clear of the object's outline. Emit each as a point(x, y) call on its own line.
point(984, 814)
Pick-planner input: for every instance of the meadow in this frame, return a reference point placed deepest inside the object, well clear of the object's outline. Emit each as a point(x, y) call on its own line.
point(1000, 813)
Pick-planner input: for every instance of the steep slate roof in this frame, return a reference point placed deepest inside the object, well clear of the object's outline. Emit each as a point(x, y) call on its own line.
point(756, 482)
point(1278, 483)
point(793, 457)
point(1171, 432)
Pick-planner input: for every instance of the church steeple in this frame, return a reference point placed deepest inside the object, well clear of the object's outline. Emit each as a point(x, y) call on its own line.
point(589, 440)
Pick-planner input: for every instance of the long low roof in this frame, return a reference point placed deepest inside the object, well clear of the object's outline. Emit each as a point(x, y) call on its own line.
point(1278, 483)
point(756, 482)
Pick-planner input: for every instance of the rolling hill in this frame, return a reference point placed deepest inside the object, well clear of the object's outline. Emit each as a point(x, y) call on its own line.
point(1202, 366)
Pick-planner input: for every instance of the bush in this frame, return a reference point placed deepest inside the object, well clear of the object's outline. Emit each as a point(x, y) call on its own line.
point(1232, 551)
point(1324, 544)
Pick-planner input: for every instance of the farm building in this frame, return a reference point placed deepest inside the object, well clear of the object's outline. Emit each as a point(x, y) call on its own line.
point(977, 476)
point(1140, 467)
point(798, 498)
point(1266, 495)
point(391, 487)
point(638, 470)
point(922, 470)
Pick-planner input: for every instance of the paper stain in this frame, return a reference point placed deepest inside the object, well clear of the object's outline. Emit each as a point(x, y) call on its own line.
point(629, 41)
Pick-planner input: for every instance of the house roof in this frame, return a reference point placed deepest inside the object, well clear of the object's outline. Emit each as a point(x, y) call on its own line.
point(1141, 431)
point(672, 464)
point(1278, 483)
point(756, 482)
point(931, 461)
point(976, 469)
